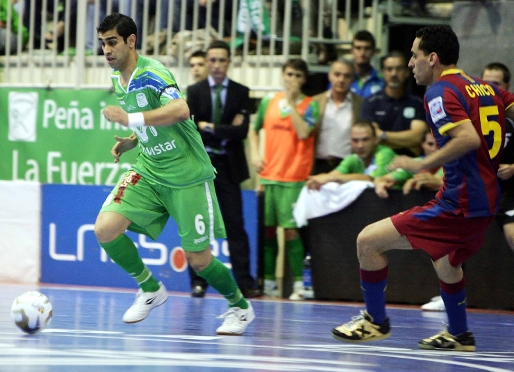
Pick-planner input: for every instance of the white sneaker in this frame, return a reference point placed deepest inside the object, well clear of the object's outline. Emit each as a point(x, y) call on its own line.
point(436, 304)
point(236, 320)
point(145, 301)
point(270, 288)
point(298, 292)
point(274, 292)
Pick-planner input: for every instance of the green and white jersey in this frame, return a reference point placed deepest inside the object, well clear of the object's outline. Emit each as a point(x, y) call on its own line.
point(171, 155)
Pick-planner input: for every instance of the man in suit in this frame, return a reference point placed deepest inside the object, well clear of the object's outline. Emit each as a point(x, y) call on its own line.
point(220, 109)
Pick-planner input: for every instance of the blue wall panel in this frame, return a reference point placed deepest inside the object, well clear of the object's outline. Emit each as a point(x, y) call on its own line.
point(71, 255)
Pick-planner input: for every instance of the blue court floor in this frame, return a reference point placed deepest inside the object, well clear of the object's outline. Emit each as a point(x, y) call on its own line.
point(87, 334)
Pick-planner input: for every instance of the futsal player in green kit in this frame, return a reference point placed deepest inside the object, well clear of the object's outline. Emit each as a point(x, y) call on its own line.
point(172, 176)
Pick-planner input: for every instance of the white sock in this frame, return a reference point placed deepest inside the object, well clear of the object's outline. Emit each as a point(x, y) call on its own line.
point(270, 284)
point(297, 286)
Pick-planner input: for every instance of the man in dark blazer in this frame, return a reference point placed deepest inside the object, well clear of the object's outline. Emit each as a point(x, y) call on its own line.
point(223, 139)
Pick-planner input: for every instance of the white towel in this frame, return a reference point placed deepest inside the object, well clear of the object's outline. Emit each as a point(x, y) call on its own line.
point(331, 197)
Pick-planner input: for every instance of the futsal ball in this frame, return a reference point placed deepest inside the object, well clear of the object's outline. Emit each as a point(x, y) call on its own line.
point(31, 312)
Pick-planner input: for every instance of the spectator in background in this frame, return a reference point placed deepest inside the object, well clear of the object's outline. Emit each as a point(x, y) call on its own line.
point(339, 109)
point(198, 66)
point(398, 115)
point(367, 80)
point(54, 36)
point(12, 33)
point(430, 179)
point(152, 12)
point(414, 8)
point(368, 161)
point(288, 119)
point(221, 110)
point(498, 74)
point(203, 22)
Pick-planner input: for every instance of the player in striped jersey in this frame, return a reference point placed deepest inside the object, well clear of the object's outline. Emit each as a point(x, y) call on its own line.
point(467, 117)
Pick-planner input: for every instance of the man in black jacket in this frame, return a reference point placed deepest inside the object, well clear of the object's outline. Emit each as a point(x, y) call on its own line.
point(220, 109)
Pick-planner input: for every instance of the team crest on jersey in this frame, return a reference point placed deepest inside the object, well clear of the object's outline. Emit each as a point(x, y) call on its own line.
point(141, 100)
point(409, 112)
point(436, 109)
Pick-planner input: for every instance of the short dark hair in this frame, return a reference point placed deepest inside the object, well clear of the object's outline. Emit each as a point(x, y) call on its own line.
point(440, 40)
point(501, 67)
point(219, 44)
point(366, 124)
point(365, 35)
point(297, 64)
point(198, 53)
point(124, 25)
point(394, 54)
point(345, 62)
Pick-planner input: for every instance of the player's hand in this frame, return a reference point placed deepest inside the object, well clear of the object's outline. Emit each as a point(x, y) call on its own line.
point(293, 89)
point(405, 162)
point(123, 144)
point(381, 190)
point(205, 126)
point(315, 182)
point(258, 163)
point(427, 180)
point(381, 186)
point(115, 114)
point(505, 171)
point(408, 185)
point(238, 120)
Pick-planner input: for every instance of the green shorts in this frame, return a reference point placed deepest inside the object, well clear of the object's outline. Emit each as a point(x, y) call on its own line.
point(148, 206)
point(279, 202)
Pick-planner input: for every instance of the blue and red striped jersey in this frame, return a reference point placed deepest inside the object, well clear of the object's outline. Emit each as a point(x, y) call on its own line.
point(470, 183)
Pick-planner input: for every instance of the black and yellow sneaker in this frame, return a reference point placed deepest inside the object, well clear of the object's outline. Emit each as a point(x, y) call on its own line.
point(446, 341)
point(362, 329)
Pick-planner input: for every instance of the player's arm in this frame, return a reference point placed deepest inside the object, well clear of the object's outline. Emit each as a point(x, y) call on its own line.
point(382, 184)
point(318, 180)
point(464, 138)
point(238, 128)
point(411, 138)
point(303, 130)
point(254, 142)
point(175, 111)
point(510, 112)
point(122, 145)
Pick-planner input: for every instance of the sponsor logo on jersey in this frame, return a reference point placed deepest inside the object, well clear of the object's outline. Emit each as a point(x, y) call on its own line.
point(160, 148)
point(436, 109)
point(142, 135)
point(141, 100)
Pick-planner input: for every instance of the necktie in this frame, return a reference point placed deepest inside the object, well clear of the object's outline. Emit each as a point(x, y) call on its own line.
point(218, 107)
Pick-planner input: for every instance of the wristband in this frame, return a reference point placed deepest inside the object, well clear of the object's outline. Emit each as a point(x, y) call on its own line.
point(136, 119)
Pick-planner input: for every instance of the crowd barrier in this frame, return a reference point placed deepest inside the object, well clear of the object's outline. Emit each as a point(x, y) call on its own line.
point(262, 36)
point(412, 279)
point(47, 237)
